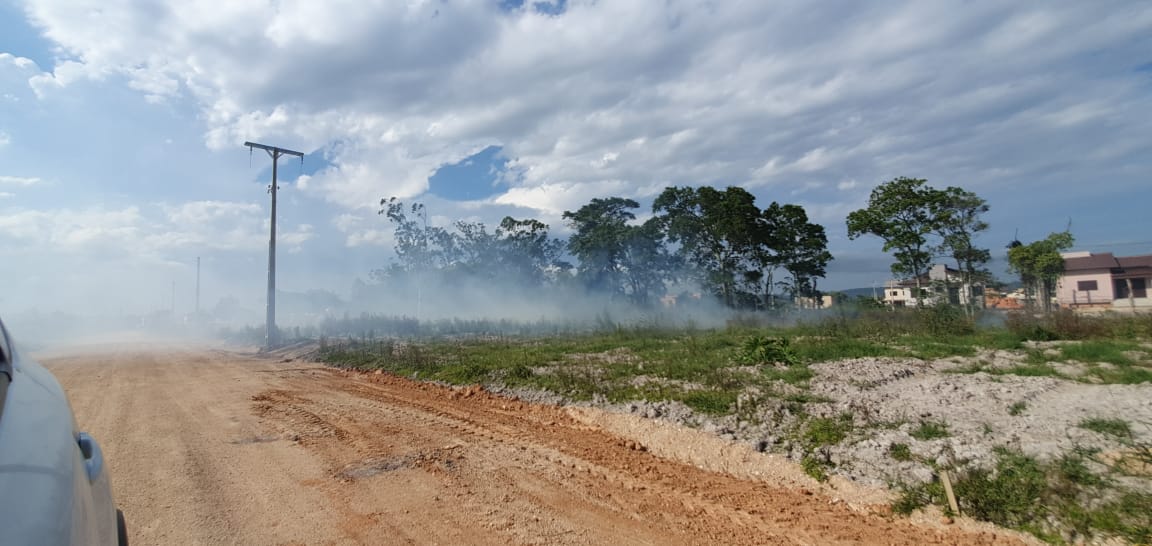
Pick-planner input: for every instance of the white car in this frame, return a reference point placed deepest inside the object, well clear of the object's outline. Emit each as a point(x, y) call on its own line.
point(54, 486)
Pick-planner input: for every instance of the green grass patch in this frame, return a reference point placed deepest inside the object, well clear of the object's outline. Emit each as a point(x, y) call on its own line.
point(831, 349)
point(795, 375)
point(826, 431)
point(900, 452)
point(1122, 375)
point(1112, 427)
point(1050, 500)
point(1017, 408)
point(710, 402)
point(813, 467)
point(1108, 351)
point(930, 430)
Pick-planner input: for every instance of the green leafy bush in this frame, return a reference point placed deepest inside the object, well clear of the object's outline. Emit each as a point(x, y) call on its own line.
point(763, 349)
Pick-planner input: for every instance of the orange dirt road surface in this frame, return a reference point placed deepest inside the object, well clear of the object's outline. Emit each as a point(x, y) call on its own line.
point(217, 447)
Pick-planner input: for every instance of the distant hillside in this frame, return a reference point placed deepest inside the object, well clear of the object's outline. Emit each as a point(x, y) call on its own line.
point(866, 291)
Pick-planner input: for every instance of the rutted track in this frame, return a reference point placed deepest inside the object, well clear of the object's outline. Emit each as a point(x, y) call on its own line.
point(213, 447)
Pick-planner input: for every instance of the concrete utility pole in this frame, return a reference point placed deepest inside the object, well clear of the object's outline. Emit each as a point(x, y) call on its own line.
point(270, 319)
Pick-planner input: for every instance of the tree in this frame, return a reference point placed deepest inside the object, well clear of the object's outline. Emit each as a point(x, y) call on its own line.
point(615, 256)
point(959, 222)
point(719, 233)
point(1039, 265)
point(518, 251)
point(797, 245)
point(524, 252)
point(478, 251)
point(902, 212)
point(598, 242)
point(419, 248)
point(647, 263)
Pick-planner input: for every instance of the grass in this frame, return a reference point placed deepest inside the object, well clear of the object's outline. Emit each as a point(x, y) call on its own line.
point(826, 431)
point(1054, 500)
point(900, 452)
point(708, 369)
point(1109, 351)
point(930, 430)
point(814, 467)
point(1112, 427)
point(709, 402)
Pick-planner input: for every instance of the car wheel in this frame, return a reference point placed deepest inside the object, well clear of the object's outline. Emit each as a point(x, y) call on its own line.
point(121, 529)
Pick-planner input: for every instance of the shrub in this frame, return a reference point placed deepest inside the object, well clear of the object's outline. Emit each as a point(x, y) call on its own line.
point(1007, 496)
point(761, 349)
point(945, 320)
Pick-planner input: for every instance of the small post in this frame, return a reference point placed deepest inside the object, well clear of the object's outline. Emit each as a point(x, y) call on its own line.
point(948, 492)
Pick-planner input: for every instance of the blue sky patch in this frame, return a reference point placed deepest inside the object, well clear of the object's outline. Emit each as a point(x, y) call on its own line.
point(553, 7)
point(473, 178)
point(22, 40)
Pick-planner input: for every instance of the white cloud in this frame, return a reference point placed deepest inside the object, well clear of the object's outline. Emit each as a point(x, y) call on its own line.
point(23, 181)
point(609, 91)
point(4, 139)
point(362, 231)
point(200, 212)
point(128, 231)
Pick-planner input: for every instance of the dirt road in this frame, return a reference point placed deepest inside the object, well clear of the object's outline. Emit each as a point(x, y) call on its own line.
point(213, 447)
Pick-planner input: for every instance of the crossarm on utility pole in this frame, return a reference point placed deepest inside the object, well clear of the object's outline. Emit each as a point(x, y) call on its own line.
point(274, 149)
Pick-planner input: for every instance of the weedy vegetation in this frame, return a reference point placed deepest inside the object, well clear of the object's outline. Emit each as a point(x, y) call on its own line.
point(1075, 497)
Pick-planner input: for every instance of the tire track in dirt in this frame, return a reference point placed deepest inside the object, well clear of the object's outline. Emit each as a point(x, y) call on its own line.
point(538, 448)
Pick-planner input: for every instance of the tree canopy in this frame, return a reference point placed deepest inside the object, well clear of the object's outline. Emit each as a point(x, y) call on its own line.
point(718, 239)
point(919, 223)
point(1040, 264)
point(615, 256)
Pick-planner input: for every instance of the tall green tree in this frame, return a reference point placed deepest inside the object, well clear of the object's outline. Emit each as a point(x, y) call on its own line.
point(517, 251)
point(616, 256)
point(719, 233)
point(1040, 265)
point(600, 229)
point(798, 246)
point(903, 213)
point(419, 247)
point(960, 221)
point(524, 250)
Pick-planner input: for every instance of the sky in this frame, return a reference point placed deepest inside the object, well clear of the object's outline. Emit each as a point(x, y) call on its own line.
point(122, 125)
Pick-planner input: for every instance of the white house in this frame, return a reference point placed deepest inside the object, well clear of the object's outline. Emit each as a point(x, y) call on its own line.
point(942, 285)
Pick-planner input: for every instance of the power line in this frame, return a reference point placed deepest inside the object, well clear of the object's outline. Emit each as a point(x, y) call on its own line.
point(270, 318)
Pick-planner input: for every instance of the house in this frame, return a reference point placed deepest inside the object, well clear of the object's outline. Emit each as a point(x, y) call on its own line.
point(942, 285)
point(1104, 281)
point(823, 301)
